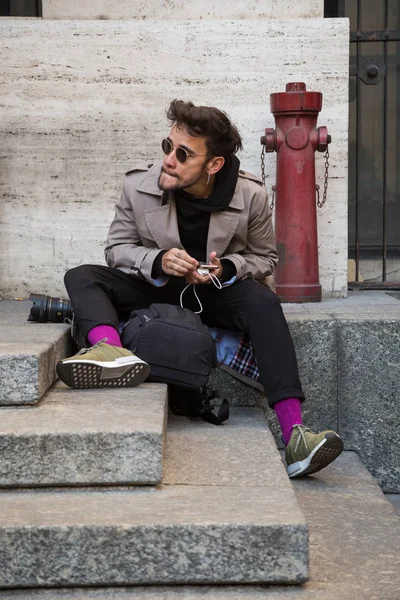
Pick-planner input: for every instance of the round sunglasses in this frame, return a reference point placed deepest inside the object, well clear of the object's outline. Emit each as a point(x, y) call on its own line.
point(181, 154)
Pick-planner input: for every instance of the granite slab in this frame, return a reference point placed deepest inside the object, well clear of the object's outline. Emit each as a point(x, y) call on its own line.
point(242, 452)
point(185, 531)
point(394, 499)
point(29, 352)
point(368, 401)
point(354, 542)
point(85, 437)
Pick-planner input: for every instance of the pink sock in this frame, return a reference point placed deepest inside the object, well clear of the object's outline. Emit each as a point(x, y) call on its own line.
point(288, 412)
point(104, 331)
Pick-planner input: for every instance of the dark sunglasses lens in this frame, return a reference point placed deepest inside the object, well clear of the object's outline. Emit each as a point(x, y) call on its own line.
point(166, 146)
point(181, 155)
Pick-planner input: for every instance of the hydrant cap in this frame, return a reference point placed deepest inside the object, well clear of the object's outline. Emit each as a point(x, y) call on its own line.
point(296, 99)
point(296, 86)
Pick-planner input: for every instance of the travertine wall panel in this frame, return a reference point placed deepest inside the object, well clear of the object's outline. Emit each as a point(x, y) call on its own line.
point(81, 102)
point(181, 9)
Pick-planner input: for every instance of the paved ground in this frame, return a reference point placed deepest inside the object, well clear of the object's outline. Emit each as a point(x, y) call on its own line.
point(395, 500)
point(366, 301)
point(357, 302)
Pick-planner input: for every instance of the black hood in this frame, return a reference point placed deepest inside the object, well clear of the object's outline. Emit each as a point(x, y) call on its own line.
point(224, 188)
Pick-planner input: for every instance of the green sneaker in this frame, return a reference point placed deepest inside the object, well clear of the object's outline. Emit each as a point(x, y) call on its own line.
point(309, 452)
point(101, 366)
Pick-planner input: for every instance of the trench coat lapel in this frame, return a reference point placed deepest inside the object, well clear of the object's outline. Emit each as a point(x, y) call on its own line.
point(223, 225)
point(221, 230)
point(161, 221)
point(163, 225)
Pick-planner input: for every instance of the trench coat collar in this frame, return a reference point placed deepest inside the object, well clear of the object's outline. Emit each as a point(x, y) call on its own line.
point(148, 184)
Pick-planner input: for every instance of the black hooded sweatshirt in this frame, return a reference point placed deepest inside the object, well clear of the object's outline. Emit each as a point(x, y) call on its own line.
point(194, 217)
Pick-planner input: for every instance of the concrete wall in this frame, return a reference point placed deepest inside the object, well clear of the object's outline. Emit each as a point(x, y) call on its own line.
point(83, 101)
point(181, 9)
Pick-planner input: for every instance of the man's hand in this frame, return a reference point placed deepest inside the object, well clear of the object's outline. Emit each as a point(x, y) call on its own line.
point(215, 261)
point(194, 277)
point(178, 262)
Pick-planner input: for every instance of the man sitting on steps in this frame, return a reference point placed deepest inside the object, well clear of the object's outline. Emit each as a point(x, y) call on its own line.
point(195, 207)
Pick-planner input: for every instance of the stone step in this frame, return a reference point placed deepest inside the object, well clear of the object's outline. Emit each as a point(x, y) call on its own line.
point(85, 437)
point(395, 500)
point(29, 352)
point(349, 354)
point(354, 548)
point(347, 349)
point(225, 513)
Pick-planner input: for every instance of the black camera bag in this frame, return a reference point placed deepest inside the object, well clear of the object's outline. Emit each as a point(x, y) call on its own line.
point(181, 352)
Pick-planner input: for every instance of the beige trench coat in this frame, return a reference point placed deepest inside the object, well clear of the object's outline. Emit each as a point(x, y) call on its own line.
point(243, 233)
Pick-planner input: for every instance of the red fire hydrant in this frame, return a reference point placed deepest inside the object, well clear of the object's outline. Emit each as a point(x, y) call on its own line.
point(296, 140)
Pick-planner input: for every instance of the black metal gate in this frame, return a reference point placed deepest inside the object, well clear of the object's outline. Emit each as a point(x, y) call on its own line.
point(374, 141)
point(20, 8)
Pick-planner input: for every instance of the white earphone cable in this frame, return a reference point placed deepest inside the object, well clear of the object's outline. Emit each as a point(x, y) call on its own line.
point(214, 280)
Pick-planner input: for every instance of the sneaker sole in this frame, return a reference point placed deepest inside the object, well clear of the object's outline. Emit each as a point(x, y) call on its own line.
point(322, 455)
point(123, 372)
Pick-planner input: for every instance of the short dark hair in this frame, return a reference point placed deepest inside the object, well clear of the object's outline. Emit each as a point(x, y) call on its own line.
point(222, 137)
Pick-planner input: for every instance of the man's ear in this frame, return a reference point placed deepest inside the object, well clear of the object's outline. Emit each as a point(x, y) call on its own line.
point(215, 164)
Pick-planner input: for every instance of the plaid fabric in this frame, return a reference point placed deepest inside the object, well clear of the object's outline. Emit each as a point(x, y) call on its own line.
point(244, 361)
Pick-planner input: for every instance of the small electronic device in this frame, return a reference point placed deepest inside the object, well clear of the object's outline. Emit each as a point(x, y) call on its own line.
point(205, 269)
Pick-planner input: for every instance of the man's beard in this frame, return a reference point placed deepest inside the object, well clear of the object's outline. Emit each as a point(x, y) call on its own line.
point(179, 183)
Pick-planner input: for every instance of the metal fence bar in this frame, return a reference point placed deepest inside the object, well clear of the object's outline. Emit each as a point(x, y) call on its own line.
point(358, 146)
point(374, 36)
point(20, 8)
point(341, 8)
point(4, 8)
point(334, 8)
point(385, 125)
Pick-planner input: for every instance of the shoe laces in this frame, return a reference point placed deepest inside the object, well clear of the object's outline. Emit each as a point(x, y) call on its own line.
point(301, 431)
point(96, 345)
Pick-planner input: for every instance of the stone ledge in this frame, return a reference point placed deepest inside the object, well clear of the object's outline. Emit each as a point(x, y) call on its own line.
point(186, 531)
point(207, 9)
point(351, 526)
point(174, 535)
point(241, 452)
point(368, 394)
point(349, 356)
point(90, 437)
point(29, 353)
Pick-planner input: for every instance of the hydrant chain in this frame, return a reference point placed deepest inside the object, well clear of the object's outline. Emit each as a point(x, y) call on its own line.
point(319, 203)
point(263, 165)
point(263, 177)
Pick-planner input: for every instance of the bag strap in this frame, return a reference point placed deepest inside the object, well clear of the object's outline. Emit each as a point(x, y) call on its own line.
point(173, 311)
point(207, 412)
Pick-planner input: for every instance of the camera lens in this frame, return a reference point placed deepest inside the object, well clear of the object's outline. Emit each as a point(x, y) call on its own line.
point(45, 308)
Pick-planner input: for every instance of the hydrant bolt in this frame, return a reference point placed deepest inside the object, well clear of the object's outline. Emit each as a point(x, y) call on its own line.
point(269, 140)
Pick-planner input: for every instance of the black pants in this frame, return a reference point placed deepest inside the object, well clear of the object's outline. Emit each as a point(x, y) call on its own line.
point(100, 294)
